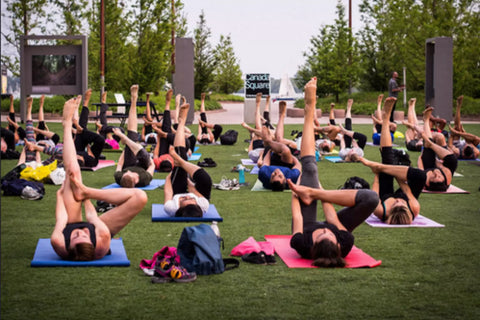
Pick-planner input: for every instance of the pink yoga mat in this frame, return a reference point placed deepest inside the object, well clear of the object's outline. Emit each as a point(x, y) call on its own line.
point(451, 189)
point(101, 164)
point(355, 259)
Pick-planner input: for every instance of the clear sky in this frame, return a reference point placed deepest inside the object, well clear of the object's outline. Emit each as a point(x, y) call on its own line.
point(269, 36)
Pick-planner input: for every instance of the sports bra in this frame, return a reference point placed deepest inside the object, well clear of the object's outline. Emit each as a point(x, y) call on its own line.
point(67, 232)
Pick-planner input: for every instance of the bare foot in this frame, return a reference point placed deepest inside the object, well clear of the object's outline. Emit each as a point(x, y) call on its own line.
point(302, 192)
point(459, 101)
point(169, 95)
point(78, 188)
point(182, 113)
point(118, 132)
point(202, 96)
point(310, 90)
point(268, 101)
point(332, 106)
point(29, 145)
point(387, 107)
point(177, 160)
point(178, 97)
point(160, 132)
point(134, 91)
point(343, 130)
point(69, 108)
point(412, 101)
point(13, 123)
point(349, 104)
point(427, 113)
point(282, 107)
point(86, 97)
point(104, 97)
point(258, 97)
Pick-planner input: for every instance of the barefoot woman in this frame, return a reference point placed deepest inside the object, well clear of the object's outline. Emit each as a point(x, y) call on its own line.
point(72, 238)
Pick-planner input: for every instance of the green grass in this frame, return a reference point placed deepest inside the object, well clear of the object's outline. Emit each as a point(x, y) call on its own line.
point(426, 273)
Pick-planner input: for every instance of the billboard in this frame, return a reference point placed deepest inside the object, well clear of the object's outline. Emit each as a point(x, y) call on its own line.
point(255, 83)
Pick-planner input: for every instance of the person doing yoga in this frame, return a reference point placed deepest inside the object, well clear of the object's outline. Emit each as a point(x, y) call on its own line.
point(187, 188)
point(207, 132)
point(330, 241)
point(73, 238)
point(135, 168)
point(400, 206)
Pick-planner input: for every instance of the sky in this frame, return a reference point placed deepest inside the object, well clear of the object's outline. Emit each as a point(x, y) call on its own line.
point(268, 36)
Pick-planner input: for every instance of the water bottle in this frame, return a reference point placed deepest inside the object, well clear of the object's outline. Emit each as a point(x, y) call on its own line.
point(215, 228)
point(241, 174)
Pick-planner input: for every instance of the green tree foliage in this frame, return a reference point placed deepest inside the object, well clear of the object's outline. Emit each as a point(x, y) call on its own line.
point(204, 60)
point(26, 17)
point(117, 30)
point(151, 55)
point(227, 75)
point(73, 13)
point(332, 58)
point(395, 36)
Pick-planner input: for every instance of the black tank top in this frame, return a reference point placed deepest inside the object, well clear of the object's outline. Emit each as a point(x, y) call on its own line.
point(67, 232)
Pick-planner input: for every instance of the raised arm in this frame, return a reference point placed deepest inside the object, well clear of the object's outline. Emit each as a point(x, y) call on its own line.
point(56, 239)
point(297, 218)
point(102, 233)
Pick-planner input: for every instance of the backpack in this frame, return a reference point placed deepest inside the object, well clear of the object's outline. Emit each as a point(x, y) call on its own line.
point(31, 190)
point(229, 137)
point(401, 157)
point(199, 251)
point(356, 183)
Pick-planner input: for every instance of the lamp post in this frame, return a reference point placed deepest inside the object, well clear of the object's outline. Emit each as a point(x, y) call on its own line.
point(102, 48)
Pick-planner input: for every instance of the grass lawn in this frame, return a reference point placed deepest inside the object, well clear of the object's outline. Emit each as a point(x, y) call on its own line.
point(426, 273)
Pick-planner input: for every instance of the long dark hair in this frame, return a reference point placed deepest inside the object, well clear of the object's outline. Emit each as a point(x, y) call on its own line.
point(326, 254)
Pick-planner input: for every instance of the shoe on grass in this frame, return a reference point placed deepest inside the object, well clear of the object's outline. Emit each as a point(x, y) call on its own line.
point(166, 270)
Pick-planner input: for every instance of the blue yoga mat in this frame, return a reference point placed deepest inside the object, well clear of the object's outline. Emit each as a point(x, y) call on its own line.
point(159, 215)
point(335, 159)
point(194, 157)
point(154, 184)
point(45, 256)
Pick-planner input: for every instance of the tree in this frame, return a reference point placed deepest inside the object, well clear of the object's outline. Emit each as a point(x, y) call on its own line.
point(204, 61)
point(332, 58)
point(73, 13)
point(227, 74)
point(27, 16)
point(117, 64)
point(151, 35)
point(395, 36)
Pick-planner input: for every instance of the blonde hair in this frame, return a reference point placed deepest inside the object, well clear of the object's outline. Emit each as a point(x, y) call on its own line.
point(399, 215)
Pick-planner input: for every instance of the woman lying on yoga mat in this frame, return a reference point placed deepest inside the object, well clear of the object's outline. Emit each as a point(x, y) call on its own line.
point(328, 242)
point(72, 238)
point(352, 143)
point(207, 132)
point(187, 188)
point(400, 206)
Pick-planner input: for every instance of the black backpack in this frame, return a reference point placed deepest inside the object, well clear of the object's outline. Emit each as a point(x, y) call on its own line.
point(356, 183)
point(229, 137)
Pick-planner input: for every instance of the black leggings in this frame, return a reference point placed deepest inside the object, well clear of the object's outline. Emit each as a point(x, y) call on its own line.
point(351, 217)
point(9, 138)
point(359, 137)
point(130, 159)
point(217, 129)
point(166, 127)
point(429, 160)
point(179, 177)
point(87, 137)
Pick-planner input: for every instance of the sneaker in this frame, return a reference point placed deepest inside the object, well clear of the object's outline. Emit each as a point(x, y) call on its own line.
point(29, 193)
point(167, 270)
point(255, 257)
point(227, 184)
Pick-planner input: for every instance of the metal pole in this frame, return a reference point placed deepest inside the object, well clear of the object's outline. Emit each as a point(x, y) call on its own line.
point(405, 85)
point(350, 56)
point(102, 48)
point(173, 37)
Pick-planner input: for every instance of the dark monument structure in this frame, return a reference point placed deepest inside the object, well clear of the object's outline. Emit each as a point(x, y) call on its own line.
point(52, 69)
point(183, 78)
point(439, 76)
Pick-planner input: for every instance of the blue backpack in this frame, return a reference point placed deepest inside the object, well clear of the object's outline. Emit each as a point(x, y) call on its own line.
point(199, 251)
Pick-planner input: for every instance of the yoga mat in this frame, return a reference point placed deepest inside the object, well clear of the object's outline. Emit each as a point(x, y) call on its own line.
point(469, 159)
point(451, 189)
point(355, 259)
point(419, 222)
point(154, 184)
point(194, 157)
point(255, 170)
point(258, 186)
point(334, 159)
point(159, 215)
point(45, 256)
point(248, 162)
point(101, 164)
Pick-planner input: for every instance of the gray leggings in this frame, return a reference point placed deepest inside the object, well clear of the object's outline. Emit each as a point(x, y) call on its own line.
point(351, 217)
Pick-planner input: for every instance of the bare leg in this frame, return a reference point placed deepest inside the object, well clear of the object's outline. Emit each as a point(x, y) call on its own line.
point(427, 132)
point(132, 114)
point(331, 115)
point(457, 121)
point(345, 198)
point(378, 112)
point(168, 99)
point(135, 147)
point(148, 113)
point(385, 138)
point(348, 113)
point(72, 168)
point(179, 140)
point(178, 97)
point(307, 147)
point(279, 131)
